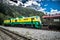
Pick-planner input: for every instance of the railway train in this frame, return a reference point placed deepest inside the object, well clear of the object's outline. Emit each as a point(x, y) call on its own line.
point(33, 21)
point(52, 21)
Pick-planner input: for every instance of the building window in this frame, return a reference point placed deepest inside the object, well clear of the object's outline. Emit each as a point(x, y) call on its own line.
point(56, 20)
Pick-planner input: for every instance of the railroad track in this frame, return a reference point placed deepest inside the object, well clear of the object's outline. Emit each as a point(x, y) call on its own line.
point(13, 35)
point(43, 28)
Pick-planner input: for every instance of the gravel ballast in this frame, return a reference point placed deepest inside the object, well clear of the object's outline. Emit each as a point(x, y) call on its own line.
point(37, 34)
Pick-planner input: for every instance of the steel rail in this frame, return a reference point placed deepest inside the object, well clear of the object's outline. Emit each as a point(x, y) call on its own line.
point(11, 34)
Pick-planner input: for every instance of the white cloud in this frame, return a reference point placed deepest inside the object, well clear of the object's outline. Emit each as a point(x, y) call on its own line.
point(38, 0)
point(17, 4)
point(55, 0)
point(42, 9)
point(36, 6)
point(29, 3)
point(53, 11)
point(45, 4)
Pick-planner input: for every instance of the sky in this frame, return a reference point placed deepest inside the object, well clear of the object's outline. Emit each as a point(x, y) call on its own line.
point(46, 6)
point(50, 5)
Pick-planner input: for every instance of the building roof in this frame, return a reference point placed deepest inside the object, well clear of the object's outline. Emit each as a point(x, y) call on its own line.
point(51, 16)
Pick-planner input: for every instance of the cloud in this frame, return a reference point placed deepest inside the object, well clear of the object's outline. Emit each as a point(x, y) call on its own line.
point(55, 0)
point(54, 11)
point(29, 3)
point(38, 0)
point(34, 5)
point(17, 4)
point(46, 5)
point(42, 9)
point(37, 6)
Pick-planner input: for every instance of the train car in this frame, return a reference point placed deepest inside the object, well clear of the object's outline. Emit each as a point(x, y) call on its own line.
point(33, 21)
point(53, 21)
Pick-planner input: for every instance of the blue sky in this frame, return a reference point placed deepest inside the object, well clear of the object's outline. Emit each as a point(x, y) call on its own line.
point(46, 6)
point(50, 5)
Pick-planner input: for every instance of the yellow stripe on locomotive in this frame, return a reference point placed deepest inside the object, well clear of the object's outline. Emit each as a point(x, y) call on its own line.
point(34, 20)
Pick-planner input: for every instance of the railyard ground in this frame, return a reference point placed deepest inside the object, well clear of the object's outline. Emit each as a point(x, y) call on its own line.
point(37, 34)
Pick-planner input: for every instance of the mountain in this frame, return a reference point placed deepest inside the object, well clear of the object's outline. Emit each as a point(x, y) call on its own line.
point(8, 11)
point(33, 4)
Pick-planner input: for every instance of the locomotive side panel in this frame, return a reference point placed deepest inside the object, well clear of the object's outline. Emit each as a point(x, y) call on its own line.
point(31, 21)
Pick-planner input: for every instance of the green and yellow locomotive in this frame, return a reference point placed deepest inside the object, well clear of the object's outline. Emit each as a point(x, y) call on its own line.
point(33, 21)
